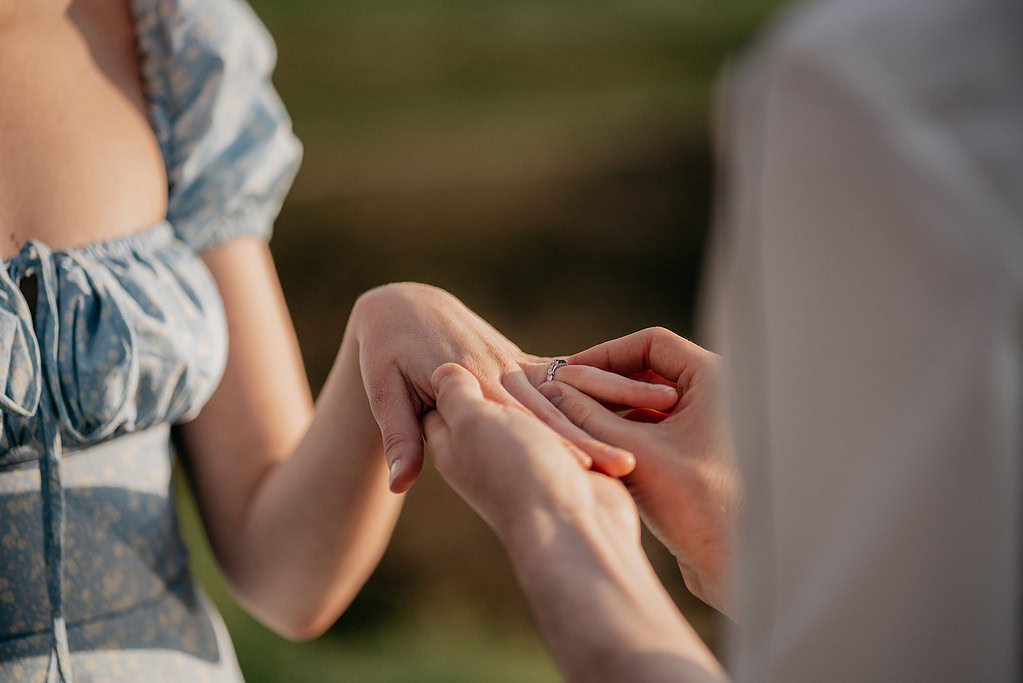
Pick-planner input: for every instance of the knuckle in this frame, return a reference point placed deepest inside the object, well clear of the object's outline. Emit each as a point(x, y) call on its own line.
point(587, 420)
point(578, 412)
point(510, 380)
point(398, 440)
point(477, 366)
point(548, 413)
point(372, 297)
point(661, 334)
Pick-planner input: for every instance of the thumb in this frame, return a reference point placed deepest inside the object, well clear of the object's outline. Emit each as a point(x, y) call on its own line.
point(399, 426)
point(458, 393)
point(438, 440)
point(591, 416)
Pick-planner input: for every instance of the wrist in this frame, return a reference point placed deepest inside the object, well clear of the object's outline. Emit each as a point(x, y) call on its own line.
point(548, 534)
point(533, 527)
point(537, 515)
point(597, 599)
point(343, 409)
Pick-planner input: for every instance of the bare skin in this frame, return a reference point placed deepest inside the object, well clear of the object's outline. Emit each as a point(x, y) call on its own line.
point(572, 537)
point(78, 159)
point(295, 494)
point(686, 482)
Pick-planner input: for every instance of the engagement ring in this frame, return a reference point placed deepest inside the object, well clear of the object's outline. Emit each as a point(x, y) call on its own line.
point(553, 367)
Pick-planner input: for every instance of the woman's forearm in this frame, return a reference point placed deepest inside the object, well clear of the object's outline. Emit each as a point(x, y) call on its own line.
point(293, 495)
point(319, 520)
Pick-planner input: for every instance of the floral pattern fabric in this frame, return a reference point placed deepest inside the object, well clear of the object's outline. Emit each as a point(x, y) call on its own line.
point(127, 336)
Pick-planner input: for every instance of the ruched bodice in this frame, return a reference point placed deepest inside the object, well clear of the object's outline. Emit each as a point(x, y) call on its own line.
point(126, 334)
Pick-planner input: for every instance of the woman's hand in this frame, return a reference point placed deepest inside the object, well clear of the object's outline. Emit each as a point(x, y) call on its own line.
point(685, 482)
point(408, 330)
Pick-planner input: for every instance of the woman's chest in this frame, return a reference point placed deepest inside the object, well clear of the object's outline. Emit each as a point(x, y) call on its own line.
point(78, 159)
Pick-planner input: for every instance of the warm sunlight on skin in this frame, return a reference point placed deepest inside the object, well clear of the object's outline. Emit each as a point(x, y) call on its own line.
point(71, 175)
point(686, 481)
point(294, 494)
point(572, 537)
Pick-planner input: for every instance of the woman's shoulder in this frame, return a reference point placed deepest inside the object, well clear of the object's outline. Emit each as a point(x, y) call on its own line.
point(224, 133)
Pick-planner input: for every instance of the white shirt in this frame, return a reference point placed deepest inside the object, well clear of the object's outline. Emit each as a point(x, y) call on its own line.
point(868, 297)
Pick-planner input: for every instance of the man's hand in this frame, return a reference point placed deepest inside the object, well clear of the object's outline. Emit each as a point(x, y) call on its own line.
point(513, 469)
point(408, 330)
point(572, 537)
point(685, 481)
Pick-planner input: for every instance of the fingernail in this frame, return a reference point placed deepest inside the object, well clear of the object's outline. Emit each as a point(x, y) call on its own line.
point(395, 466)
point(663, 389)
point(627, 459)
point(440, 373)
point(551, 392)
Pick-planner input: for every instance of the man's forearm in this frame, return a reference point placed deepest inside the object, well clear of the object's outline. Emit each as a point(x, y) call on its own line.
point(603, 612)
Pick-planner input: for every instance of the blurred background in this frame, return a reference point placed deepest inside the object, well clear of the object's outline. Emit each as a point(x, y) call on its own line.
point(549, 163)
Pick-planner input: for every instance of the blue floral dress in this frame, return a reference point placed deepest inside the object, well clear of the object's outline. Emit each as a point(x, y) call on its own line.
point(128, 337)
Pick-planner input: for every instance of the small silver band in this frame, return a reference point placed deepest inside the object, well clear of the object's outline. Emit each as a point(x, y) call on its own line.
point(553, 367)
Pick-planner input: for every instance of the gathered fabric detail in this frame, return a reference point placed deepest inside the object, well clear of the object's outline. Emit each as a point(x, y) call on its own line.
point(225, 136)
point(129, 334)
point(126, 334)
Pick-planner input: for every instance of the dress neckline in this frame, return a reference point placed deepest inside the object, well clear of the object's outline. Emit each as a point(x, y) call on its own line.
point(154, 234)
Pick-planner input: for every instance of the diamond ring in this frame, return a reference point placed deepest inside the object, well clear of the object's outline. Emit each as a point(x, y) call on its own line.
point(553, 367)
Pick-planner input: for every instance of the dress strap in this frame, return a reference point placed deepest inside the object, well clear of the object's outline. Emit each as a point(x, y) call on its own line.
point(36, 258)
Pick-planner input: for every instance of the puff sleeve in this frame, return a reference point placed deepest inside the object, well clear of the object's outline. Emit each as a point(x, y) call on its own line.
point(225, 136)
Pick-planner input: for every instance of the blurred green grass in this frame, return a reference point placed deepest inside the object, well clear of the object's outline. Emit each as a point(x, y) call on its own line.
point(549, 163)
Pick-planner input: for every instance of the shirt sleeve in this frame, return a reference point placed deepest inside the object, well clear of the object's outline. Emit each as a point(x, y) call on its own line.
point(868, 298)
point(224, 133)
